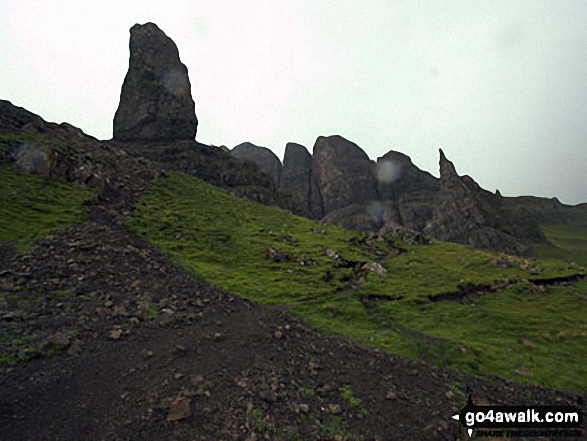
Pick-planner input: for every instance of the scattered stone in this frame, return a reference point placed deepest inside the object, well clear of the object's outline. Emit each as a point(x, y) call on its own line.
point(115, 334)
point(179, 409)
point(334, 409)
point(276, 255)
point(278, 334)
point(523, 372)
point(303, 408)
point(375, 267)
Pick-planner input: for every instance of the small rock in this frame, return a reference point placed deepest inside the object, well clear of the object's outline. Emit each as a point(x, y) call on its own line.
point(278, 334)
point(523, 372)
point(197, 379)
point(303, 408)
point(115, 334)
point(334, 409)
point(528, 343)
point(60, 340)
point(450, 395)
point(179, 410)
point(391, 395)
point(75, 348)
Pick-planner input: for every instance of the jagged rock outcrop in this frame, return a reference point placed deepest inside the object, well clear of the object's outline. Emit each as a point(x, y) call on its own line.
point(343, 175)
point(156, 100)
point(465, 213)
point(265, 159)
point(296, 174)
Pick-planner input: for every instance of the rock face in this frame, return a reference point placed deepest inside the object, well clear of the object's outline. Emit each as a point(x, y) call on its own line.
point(465, 213)
point(156, 102)
point(409, 193)
point(265, 159)
point(296, 174)
point(343, 175)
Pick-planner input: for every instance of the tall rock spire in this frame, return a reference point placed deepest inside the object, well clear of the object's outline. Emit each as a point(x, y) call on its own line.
point(156, 101)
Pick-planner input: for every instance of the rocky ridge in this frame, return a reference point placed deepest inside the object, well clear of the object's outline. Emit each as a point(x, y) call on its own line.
point(339, 184)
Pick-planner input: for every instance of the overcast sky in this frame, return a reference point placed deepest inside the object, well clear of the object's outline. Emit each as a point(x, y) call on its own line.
point(501, 86)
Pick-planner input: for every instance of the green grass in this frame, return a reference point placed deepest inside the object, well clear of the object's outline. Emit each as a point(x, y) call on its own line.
point(519, 333)
point(32, 207)
point(569, 243)
point(509, 334)
point(225, 240)
point(442, 267)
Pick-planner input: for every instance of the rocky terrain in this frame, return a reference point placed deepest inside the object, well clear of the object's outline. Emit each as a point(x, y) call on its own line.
point(120, 343)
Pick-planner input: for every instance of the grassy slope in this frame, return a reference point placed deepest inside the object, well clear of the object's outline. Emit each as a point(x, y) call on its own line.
point(521, 333)
point(33, 207)
point(569, 242)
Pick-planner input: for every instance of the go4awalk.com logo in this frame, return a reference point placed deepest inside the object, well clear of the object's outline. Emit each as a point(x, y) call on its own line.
point(521, 421)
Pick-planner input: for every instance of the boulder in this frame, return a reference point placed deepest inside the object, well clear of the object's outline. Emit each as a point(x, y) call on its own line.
point(156, 101)
point(32, 157)
point(265, 159)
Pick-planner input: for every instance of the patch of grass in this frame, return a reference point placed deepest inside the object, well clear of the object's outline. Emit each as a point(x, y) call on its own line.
point(307, 391)
point(268, 255)
point(568, 243)
point(8, 359)
point(32, 207)
point(152, 311)
point(13, 137)
point(348, 396)
point(443, 267)
point(63, 293)
point(227, 241)
point(520, 333)
point(332, 426)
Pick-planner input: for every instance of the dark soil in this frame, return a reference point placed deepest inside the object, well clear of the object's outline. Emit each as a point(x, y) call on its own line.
point(123, 345)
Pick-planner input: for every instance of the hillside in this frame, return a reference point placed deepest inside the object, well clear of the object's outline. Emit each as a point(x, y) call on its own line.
point(155, 288)
point(110, 339)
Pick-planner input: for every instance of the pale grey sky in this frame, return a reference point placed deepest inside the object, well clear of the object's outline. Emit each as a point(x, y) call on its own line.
point(501, 86)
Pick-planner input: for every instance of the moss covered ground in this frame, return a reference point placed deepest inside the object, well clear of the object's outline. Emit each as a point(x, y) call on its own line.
point(32, 206)
point(522, 332)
